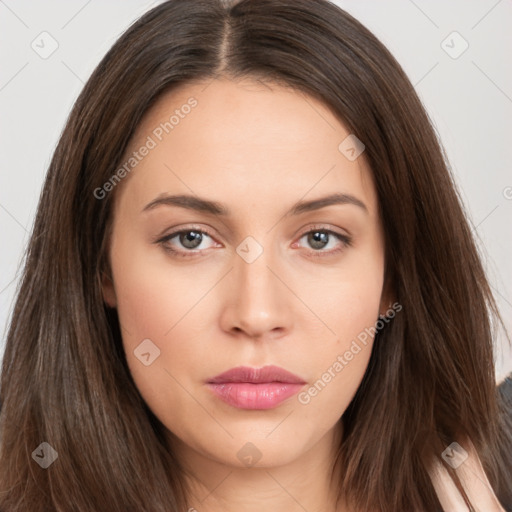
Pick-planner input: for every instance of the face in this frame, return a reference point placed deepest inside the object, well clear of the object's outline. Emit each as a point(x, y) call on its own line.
point(249, 267)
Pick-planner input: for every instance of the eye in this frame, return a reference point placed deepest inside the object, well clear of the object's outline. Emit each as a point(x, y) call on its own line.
point(190, 242)
point(325, 242)
point(186, 242)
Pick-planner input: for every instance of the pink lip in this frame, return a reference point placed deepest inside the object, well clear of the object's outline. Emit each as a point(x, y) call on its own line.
point(255, 388)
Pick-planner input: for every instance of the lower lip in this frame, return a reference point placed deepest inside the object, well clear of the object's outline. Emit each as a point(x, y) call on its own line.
point(245, 395)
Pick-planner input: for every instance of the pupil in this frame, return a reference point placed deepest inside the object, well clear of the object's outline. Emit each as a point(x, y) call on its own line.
point(318, 239)
point(191, 239)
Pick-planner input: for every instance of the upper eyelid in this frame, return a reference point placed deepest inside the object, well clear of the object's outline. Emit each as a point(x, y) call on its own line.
point(318, 227)
point(308, 230)
point(173, 234)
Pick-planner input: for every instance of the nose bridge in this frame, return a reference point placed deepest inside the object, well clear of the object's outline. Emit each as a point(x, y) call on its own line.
point(256, 286)
point(258, 305)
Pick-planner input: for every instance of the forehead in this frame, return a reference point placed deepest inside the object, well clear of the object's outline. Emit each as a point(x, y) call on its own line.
point(246, 139)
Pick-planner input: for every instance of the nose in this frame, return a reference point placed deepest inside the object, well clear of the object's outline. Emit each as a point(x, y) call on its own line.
point(257, 303)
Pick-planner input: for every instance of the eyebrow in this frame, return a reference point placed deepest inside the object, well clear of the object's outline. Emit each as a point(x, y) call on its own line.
point(214, 208)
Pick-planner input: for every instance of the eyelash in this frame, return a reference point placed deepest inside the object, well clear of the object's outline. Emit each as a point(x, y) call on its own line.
point(346, 241)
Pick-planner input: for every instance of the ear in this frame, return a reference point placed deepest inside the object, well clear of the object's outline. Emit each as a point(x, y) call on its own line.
point(108, 290)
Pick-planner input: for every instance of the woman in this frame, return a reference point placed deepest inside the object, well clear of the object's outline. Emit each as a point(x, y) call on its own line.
point(251, 285)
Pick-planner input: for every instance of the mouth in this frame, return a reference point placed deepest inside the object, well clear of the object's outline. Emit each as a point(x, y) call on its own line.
point(255, 388)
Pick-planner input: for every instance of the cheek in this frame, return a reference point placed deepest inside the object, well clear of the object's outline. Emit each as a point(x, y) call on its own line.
point(344, 300)
point(152, 296)
point(168, 306)
point(325, 399)
point(349, 306)
point(340, 364)
point(161, 354)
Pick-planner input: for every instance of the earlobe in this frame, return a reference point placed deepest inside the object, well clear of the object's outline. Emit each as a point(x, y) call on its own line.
point(108, 290)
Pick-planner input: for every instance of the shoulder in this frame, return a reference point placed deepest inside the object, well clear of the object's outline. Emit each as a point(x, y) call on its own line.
point(468, 467)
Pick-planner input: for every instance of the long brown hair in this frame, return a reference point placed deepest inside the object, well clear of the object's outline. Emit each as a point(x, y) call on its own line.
point(65, 381)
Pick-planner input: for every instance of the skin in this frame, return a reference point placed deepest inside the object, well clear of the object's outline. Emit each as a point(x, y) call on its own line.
point(257, 149)
point(474, 480)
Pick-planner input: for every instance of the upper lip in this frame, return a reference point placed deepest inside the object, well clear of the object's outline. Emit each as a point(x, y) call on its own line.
point(257, 375)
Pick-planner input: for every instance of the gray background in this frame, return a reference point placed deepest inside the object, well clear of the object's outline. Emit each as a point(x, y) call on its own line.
point(467, 94)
